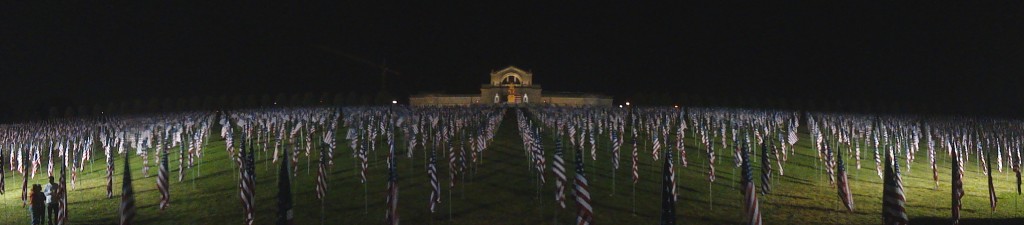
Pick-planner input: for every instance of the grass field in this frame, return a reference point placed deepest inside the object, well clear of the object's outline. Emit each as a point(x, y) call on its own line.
point(503, 190)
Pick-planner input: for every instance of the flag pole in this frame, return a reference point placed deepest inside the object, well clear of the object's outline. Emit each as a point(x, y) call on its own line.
point(450, 202)
point(613, 180)
point(366, 201)
point(322, 211)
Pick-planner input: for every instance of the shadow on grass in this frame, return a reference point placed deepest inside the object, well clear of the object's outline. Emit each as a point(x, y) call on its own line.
point(966, 221)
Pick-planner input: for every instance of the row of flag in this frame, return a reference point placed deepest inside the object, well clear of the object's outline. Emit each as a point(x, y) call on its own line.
point(462, 133)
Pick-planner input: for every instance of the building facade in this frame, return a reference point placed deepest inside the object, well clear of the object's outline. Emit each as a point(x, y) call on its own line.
point(513, 86)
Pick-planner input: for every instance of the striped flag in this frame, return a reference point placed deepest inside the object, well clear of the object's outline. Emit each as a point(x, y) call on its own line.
point(538, 154)
point(680, 138)
point(558, 167)
point(636, 168)
point(893, 201)
point(753, 212)
point(321, 175)
point(452, 167)
point(127, 209)
point(958, 187)
point(572, 134)
point(285, 216)
point(162, 181)
point(62, 197)
point(829, 169)
point(931, 157)
point(656, 147)
point(992, 199)
point(844, 185)
point(584, 215)
point(668, 193)
point(110, 175)
point(766, 170)
point(711, 161)
point(246, 184)
point(181, 162)
point(616, 145)
point(363, 160)
point(392, 188)
point(593, 140)
point(435, 194)
point(24, 179)
point(3, 176)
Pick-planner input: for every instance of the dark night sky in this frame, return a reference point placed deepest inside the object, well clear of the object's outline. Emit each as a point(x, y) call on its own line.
point(963, 57)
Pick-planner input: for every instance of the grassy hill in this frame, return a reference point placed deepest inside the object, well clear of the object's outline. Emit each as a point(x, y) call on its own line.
point(503, 190)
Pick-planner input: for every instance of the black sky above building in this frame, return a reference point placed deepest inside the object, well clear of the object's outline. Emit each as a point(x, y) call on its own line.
point(942, 57)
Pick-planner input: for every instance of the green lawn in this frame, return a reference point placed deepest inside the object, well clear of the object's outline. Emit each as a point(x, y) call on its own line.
point(503, 190)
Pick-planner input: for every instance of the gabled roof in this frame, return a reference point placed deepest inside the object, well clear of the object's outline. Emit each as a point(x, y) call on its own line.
point(511, 68)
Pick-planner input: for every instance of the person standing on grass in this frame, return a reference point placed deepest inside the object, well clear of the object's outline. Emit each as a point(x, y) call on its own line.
point(37, 209)
point(51, 205)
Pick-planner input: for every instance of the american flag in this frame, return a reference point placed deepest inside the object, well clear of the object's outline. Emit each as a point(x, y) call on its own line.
point(321, 175)
point(410, 135)
point(829, 163)
point(435, 194)
point(636, 168)
point(572, 134)
point(363, 160)
point(656, 146)
point(593, 140)
point(844, 184)
point(558, 167)
point(992, 199)
point(538, 154)
point(668, 193)
point(247, 184)
point(162, 181)
point(332, 143)
point(49, 165)
point(181, 162)
point(780, 156)
point(680, 138)
point(583, 133)
point(931, 157)
point(766, 170)
point(893, 200)
point(958, 187)
point(878, 158)
point(616, 145)
point(62, 197)
point(753, 211)
point(127, 209)
point(392, 197)
point(285, 215)
point(24, 183)
point(110, 174)
point(295, 150)
point(452, 167)
point(3, 176)
point(585, 214)
point(711, 161)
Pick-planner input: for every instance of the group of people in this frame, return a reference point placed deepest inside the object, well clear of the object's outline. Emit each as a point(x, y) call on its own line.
point(42, 202)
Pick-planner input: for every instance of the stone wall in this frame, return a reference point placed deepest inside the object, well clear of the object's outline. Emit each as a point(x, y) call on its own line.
point(578, 101)
point(443, 100)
